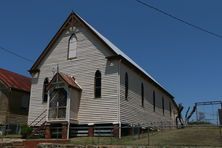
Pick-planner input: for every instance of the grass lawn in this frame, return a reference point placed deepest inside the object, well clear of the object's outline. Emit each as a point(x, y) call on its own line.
point(206, 136)
point(190, 136)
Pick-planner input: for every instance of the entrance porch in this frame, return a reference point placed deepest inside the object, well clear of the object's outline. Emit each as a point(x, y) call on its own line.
point(62, 105)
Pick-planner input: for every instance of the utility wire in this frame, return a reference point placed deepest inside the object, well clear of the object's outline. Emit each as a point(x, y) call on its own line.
point(179, 19)
point(15, 54)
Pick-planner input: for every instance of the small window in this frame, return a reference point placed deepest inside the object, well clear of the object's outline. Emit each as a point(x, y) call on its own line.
point(126, 86)
point(170, 108)
point(72, 49)
point(163, 104)
point(25, 103)
point(45, 93)
point(154, 101)
point(97, 84)
point(142, 95)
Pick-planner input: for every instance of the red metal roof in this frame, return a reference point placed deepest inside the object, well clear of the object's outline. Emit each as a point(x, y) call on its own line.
point(14, 80)
point(70, 80)
point(67, 79)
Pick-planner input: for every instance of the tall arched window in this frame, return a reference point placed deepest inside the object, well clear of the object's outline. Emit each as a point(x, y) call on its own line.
point(163, 104)
point(126, 86)
point(44, 91)
point(72, 47)
point(154, 101)
point(142, 95)
point(170, 108)
point(97, 84)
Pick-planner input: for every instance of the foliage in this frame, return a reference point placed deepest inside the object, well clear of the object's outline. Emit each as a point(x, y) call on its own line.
point(26, 131)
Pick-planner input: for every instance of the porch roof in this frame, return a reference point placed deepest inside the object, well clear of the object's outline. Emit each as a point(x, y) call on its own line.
point(69, 80)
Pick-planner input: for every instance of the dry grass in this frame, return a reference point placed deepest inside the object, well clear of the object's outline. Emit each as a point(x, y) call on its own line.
point(190, 136)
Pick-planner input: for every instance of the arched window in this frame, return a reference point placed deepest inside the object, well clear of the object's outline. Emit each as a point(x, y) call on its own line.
point(44, 92)
point(142, 95)
point(170, 108)
point(97, 84)
point(154, 101)
point(126, 86)
point(72, 47)
point(163, 104)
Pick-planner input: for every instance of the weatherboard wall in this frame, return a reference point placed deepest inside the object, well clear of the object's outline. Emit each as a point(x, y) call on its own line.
point(4, 103)
point(91, 56)
point(131, 108)
point(13, 105)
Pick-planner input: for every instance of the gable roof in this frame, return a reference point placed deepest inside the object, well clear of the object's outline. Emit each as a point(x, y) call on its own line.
point(117, 50)
point(15, 81)
point(69, 80)
point(108, 43)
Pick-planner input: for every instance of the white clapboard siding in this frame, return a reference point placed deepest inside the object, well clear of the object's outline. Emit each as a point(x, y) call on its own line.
point(90, 56)
point(131, 110)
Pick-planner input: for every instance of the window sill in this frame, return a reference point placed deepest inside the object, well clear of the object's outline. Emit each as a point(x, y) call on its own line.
point(69, 59)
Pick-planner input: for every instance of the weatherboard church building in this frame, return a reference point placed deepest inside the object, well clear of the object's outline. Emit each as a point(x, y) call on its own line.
point(82, 80)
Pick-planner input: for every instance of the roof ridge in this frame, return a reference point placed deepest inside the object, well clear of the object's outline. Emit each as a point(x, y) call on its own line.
point(117, 50)
point(107, 42)
point(2, 69)
point(121, 53)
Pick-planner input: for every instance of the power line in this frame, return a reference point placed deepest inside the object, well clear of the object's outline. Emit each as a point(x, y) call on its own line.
point(15, 54)
point(179, 19)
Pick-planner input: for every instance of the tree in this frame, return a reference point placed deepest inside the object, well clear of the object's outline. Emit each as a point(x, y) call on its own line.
point(179, 116)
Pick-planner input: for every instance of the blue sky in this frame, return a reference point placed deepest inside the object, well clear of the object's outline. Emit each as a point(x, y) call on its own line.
point(186, 61)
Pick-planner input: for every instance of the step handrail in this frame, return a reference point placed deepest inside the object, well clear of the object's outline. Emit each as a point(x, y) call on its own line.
point(37, 129)
point(41, 115)
point(38, 118)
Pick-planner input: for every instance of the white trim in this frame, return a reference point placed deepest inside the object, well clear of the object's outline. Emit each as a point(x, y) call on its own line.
point(115, 123)
point(68, 110)
point(90, 124)
point(118, 87)
point(47, 111)
point(67, 103)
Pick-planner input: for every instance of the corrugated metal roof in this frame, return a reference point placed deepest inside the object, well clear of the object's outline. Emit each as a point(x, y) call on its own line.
point(113, 48)
point(14, 80)
point(117, 50)
point(69, 80)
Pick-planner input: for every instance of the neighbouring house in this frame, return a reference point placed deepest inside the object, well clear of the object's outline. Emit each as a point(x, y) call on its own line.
point(82, 80)
point(14, 99)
